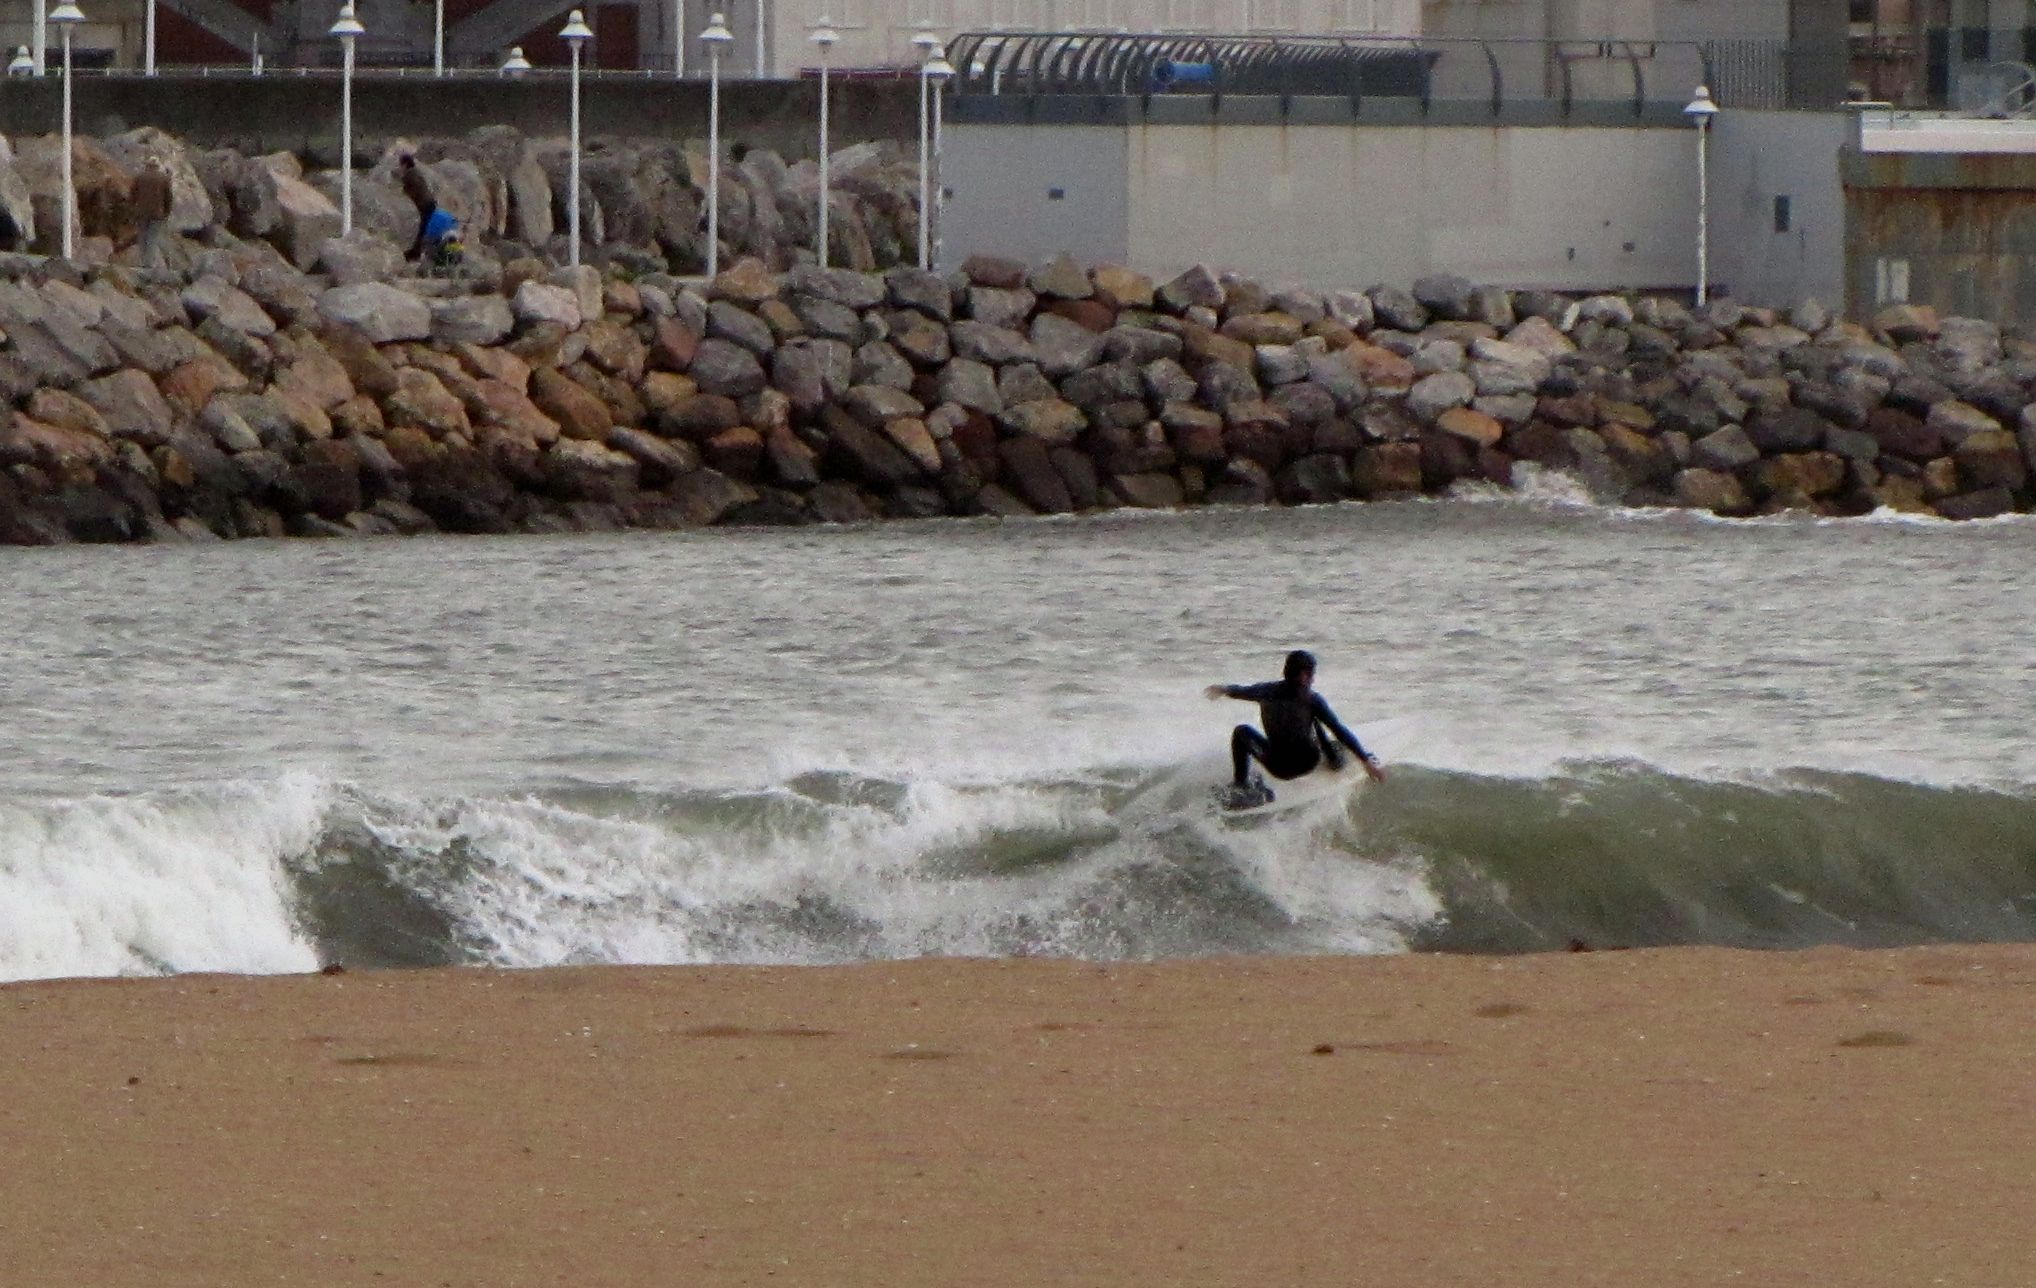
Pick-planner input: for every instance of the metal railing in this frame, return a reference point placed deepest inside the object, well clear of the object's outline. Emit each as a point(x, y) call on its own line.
point(1424, 69)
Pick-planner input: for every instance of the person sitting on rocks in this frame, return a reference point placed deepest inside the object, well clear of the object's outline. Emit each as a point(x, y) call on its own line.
point(152, 199)
point(417, 187)
point(1298, 725)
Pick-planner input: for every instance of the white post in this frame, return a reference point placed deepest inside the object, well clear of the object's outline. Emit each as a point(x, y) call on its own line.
point(38, 40)
point(70, 189)
point(760, 38)
point(678, 39)
point(347, 27)
point(925, 42)
point(438, 37)
point(574, 181)
point(346, 138)
point(824, 37)
point(938, 70)
point(576, 33)
point(715, 38)
point(1700, 111)
point(1703, 213)
point(148, 40)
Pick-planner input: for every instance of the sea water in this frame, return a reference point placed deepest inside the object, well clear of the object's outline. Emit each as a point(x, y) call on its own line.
point(963, 737)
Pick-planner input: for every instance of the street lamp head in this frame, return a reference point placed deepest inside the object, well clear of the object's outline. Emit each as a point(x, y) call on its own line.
point(937, 67)
point(824, 35)
point(1701, 108)
point(925, 42)
point(576, 29)
point(67, 14)
point(347, 26)
point(22, 64)
point(717, 33)
point(515, 64)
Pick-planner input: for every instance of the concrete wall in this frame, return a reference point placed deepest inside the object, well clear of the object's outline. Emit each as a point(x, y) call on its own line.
point(1358, 205)
point(1757, 157)
point(1334, 204)
point(295, 113)
point(1957, 232)
point(1034, 191)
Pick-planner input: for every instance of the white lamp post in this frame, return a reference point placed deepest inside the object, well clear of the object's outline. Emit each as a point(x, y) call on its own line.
point(515, 64)
point(39, 38)
point(66, 16)
point(717, 37)
point(349, 29)
point(438, 37)
point(576, 34)
point(22, 64)
point(148, 39)
point(1700, 111)
point(679, 39)
point(825, 37)
point(925, 42)
point(938, 70)
point(760, 64)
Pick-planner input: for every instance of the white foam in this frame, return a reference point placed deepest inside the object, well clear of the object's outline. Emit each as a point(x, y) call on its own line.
point(144, 885)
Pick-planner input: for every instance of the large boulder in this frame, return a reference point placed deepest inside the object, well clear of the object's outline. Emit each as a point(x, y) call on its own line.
point(380, 312)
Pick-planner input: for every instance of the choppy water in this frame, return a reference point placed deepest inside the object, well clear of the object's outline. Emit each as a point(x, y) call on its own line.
point(987, 737)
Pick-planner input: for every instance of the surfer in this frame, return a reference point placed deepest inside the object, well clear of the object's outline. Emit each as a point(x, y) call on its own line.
point(1298, 729)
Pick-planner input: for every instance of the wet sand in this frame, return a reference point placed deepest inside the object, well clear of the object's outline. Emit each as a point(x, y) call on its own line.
point(1644, 1118)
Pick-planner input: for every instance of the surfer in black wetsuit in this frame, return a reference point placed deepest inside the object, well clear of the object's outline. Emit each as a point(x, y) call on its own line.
point(1298, 728)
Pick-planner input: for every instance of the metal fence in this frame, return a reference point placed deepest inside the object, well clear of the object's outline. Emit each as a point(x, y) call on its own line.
point(1561, 73)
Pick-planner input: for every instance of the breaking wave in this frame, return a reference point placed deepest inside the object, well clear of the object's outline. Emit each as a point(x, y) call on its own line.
point(288, 874)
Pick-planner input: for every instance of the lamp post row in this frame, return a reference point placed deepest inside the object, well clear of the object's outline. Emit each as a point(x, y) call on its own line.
point(934, 69)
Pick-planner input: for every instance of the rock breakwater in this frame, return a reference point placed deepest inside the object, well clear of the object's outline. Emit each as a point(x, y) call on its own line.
point(245, 397)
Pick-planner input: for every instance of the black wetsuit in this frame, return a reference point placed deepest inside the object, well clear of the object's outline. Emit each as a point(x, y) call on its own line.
point(1298, 724)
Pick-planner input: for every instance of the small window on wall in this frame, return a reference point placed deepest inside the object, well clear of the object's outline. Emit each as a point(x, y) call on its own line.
point(1782, 214)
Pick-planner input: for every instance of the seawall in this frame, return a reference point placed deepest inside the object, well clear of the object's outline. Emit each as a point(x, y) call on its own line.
point(246, 398)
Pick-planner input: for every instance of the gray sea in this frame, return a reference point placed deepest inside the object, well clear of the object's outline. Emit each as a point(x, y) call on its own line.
point(1600, 726)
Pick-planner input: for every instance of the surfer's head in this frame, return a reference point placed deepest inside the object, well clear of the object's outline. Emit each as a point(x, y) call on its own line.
point(1300, 667)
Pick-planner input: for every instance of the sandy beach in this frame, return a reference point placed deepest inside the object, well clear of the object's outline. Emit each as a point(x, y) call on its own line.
point(1667, 1117)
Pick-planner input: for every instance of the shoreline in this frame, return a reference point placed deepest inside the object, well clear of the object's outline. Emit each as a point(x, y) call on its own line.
point(1666, 1116)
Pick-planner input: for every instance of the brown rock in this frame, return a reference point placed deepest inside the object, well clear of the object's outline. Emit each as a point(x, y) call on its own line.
point(1711, 490)
point(1806, 474)
point(357, 417)
point(614, 348)
point(662, 391)
point(672, 345)
point(794, 463)
point(62, 410)
point(1983, 504)
point(411, 447)
point(1472, 426)
point(422, 402)
point(911, 436)
point(1091, 314)
point(1380, 368)
point(370, 372)
point(994, 271)
point(579, 413)
point(1990, 458)
point(748, 281)
point(1387, 470)
point(700, 417)
point(192, 384)
point(1028, 466)
point(735, 452)
point(1120, 288)
point(486, 362)
point(507, 408)
point(1201, 346)
point(1264, 328)
point(68, 455)
point(1148, 491)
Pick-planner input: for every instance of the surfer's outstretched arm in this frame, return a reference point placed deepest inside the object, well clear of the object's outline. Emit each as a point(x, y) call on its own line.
point(1242, 692)
point(1327, 719)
